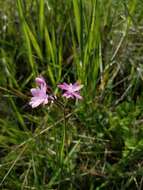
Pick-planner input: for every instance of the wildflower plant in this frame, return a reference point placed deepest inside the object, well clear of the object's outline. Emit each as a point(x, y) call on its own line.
point(100, 43)
point(42, 95)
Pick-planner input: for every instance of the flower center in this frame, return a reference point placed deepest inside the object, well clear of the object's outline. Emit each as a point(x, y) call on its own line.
point(71, 89)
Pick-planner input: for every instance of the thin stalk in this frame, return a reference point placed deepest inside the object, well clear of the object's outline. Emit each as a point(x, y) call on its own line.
point(64, 136)
point(64, 133)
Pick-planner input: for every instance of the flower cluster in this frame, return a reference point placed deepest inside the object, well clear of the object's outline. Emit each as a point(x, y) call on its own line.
point(41, 96)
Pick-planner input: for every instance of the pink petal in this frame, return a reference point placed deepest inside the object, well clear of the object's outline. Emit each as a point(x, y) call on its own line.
point(77, 95)
point(40, 81)
point(64, 86)
point(44, 89)
point(77, 87)
point(35, 101)
point(68, 95)
point(35, 91)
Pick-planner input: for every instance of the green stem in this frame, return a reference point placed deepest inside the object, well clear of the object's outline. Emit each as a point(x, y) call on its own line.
point(64, 133)
point(63, 138)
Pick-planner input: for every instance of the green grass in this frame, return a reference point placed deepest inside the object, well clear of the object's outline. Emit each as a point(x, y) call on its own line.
point(97, 143)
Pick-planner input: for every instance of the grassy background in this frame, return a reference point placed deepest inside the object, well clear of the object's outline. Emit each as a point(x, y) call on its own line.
point(97, 42)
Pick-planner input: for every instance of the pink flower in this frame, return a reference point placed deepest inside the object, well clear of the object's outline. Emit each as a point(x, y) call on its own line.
point(71, 90)
point(39, 93)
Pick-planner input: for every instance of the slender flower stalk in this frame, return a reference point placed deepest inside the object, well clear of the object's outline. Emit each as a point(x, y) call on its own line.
point(63, 142)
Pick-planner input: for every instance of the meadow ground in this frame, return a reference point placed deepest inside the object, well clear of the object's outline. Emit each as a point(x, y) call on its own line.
point(95, 143)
